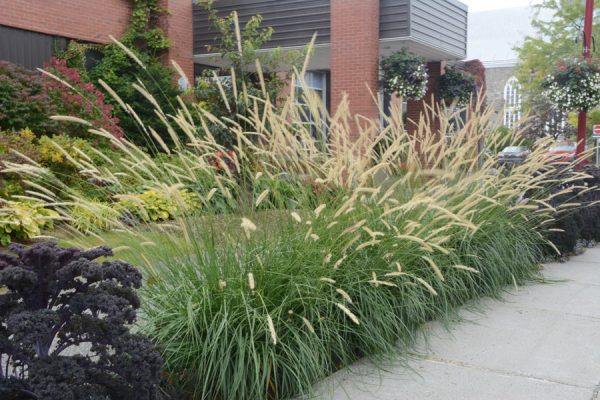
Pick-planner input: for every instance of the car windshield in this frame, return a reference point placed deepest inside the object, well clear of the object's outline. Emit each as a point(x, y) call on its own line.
point(513, 149)
point(564, 147)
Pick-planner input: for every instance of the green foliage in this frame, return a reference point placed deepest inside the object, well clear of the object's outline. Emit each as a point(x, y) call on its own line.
point(23, 101)
point(457, 86)
point(404, 74)
point(240, 55)
point(24, 142)
point(23, 221)
point(119, 71)
point(61, 155)
point(556, 39)
point(157, 205)
point(593, 118)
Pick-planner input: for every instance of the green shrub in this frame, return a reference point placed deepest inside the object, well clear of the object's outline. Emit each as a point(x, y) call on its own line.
point(120, 72)
point(23, 101)
point(23, 221)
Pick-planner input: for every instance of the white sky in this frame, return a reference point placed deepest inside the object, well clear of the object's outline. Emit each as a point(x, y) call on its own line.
point(481, 5)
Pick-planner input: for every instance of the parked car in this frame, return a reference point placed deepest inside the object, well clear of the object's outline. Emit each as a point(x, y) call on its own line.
point(513, 155)
point(562, 152)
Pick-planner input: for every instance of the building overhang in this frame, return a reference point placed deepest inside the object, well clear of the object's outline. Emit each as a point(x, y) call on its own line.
point(320, 59)
point(433, 29)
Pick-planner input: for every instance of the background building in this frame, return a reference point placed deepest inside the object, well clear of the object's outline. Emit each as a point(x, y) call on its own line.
point(492, 37)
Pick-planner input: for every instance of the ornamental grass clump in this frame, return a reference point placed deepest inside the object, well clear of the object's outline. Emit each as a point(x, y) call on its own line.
point(328, 249)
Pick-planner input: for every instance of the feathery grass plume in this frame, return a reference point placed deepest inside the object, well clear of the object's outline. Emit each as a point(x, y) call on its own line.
point(251, 280)
point(345, 295)
point(272, 329)
point(349, 313)
point(261, 197)
point(248, 226)
point(296, 216)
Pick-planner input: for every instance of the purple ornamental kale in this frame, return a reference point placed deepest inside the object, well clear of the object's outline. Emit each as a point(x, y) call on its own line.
point(64, 322)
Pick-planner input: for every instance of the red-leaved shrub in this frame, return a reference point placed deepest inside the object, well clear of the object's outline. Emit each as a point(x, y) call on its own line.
point(84, 101)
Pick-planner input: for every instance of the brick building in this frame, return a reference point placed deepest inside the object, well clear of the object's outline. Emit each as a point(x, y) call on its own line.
point(352, 35)
point(31, 31)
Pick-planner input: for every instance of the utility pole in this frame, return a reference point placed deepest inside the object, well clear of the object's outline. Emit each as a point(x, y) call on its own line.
point(587, 54)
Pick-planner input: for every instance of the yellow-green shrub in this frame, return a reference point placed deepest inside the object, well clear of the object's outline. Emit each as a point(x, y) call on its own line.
point(159, 204)
point(23, 221)
point(94, 216)
point(24, 142)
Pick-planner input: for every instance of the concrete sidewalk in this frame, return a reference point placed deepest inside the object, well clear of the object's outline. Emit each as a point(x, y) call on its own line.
point(540, 342)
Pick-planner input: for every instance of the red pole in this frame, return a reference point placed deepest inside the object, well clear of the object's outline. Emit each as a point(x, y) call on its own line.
point(587, 54)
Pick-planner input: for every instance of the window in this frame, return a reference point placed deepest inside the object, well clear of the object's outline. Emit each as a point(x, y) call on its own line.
point(512, 102)
point(316, 81)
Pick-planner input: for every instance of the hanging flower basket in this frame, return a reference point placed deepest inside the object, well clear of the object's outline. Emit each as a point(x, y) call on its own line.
point(405, 75)
point(456, 86)
point(573, 85)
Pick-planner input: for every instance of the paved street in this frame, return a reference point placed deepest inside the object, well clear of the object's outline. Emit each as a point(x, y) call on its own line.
point(540, 342)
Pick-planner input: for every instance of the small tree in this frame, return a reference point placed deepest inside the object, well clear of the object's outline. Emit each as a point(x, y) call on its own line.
point(239, 50)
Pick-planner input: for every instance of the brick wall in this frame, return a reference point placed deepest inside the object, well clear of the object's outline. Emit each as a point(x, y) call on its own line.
point(355, 55)
point(89, 20)
point(95, 20)
point(417, 109)
point(178, 25)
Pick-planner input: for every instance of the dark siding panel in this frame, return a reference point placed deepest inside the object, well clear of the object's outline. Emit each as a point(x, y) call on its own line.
point(440, 22)
point(28, 49)
point(394, 18)
point(294, 21)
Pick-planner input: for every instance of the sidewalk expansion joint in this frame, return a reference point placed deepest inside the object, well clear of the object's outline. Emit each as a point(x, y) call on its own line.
point(513, 374)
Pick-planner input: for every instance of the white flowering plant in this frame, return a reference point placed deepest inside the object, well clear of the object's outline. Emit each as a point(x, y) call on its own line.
point(404, 74)
point(573, 85)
